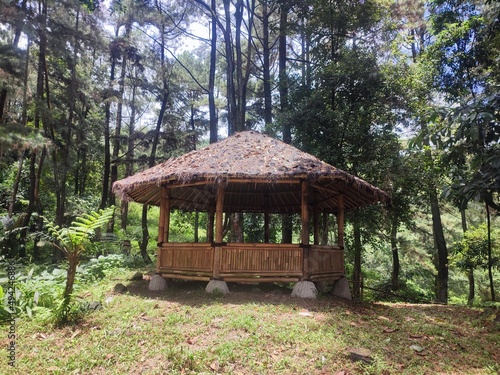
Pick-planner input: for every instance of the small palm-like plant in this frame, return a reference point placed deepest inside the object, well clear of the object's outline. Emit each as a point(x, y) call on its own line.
point(72, 242)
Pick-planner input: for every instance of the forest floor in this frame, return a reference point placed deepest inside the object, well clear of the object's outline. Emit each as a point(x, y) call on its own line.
point(256, 329)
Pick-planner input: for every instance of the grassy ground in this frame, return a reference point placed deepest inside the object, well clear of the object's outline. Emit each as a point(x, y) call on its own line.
point(256, 329)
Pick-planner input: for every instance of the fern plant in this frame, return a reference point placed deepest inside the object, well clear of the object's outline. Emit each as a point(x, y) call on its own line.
point(72, 241)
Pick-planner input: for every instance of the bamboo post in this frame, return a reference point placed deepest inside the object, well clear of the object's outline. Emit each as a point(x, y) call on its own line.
point(305, 229)
point(161, 223)
point(340, 221)
point(164, 222)
point(219, 227)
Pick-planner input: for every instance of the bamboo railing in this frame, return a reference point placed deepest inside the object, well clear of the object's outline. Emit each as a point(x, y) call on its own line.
point(250, 262)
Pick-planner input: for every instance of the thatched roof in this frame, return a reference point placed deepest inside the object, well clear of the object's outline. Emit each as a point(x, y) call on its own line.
point(260, 173)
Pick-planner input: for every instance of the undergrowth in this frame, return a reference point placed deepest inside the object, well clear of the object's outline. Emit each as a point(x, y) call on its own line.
point(39, 288)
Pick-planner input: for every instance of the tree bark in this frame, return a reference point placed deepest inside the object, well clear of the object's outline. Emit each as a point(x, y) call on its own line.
point(266, 67)
point(152, 156)
point(287, 220)
point(145, 236)
point(395, 254)
point(356, 282)
point(118, 127)
point(490, 258)
point(211, 77)
point(440, 244)
point(107, 136)
point(129, 168)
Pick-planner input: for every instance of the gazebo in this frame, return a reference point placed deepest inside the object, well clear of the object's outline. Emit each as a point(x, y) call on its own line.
point(250, 173)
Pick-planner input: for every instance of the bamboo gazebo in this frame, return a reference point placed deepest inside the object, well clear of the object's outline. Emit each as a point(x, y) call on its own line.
point(250, 173)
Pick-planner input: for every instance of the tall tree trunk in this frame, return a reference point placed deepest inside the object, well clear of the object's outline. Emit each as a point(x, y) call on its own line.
point(62, 170)
point(287, 220)
point(230, 69)
point(145, 236)
point(3, 99)
point(107, 134)
point(357, 276)
point(490, 258)
point(129, 168)
point(266, 67)
point(152, 156)
point(440, 244)
point(282, 72)
point(211, 78)
point(395, 253)
point(15, 187)
point(118, 127)
point(470, 271)
point(437, 226)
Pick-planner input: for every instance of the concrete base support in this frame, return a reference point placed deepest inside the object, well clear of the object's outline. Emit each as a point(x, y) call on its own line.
point(305, 289)
point(341, 288)
point(157, 283)
point(217, 286)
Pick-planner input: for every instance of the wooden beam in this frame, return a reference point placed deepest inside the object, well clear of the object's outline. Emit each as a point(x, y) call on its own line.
point(340, 221)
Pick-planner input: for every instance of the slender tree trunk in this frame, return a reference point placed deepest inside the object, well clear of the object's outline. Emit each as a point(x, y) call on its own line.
point(437, 228)
point(129, 169)
point(357, 276)
point(282, 71)
point(211, 78)
point(107, 137)
point(440, 244)
point(490, 258)
point(3, 99)
point(145, 236)
point(63, 169)
point(15, 187)
point(230, 69)
point(287, 220)
point(470, 271)
point(152, 157)
point(117, 134)
point(266, 67)
point(395, 254)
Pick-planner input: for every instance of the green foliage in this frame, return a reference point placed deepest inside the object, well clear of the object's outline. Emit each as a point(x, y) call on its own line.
point(74, 238)
point(72, 241)
point(472, 251)
point(39, 288)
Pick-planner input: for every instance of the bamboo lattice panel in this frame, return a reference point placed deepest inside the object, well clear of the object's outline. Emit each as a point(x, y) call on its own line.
point(193, 257)
point(261, 259)
point(326, 260)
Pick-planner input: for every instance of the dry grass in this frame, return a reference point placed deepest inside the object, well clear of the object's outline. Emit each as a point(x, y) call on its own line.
point(257, 329)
